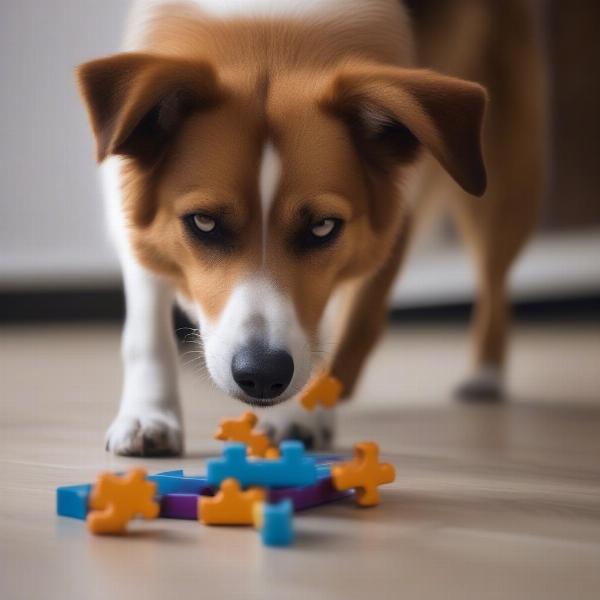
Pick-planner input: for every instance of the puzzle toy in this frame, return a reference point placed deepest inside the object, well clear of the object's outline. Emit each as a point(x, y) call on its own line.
point(230, 506)
point(240, 430)
point(261, 485)
point(324, 389)
point(365, 473)
point(274, 521)
point(293, 468)
point(186, 506)
point(178, 493)
point(116, 499)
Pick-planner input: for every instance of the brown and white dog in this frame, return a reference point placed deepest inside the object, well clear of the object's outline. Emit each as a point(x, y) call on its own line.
point(254, 155)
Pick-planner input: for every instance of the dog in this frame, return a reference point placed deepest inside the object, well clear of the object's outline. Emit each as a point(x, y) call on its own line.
point(259, 159)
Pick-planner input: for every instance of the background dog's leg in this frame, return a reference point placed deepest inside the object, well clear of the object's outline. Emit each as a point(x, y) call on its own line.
point(149, 418)
point(496, 227)
point(499, 47)
point(490, 319)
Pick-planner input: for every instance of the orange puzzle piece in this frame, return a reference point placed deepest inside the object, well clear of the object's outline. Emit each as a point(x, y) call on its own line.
point(230, 506)
point(365, 473)
point(272, 453)
point(324, 389)
point(240, 430)
point(116, 499)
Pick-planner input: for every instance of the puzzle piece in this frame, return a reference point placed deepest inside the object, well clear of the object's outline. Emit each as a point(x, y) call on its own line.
point(274, 521)
point(324, 389)
point(365, 473)
point(72, 500)
point(272, 453)
point(116, 499)
point(179, 506)
point(178, 496)
point(293, 468)
point(175, 482)
point(240, 430)
point(230, 506)
point(308, 496)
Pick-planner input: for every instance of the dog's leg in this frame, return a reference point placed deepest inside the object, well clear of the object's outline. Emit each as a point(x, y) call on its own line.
point(365, 317)
point(490, 324)
point(149, 419)
point(496, 227)
point(290, 421)
point(359, 327)
point(499, 48)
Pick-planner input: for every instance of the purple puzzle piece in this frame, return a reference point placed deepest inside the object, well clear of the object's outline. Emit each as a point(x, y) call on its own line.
point(308, 496)
point(179, 506)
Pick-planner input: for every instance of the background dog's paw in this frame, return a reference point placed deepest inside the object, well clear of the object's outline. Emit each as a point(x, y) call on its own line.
point(485, 385)
point(289, 421)
point(150, 434)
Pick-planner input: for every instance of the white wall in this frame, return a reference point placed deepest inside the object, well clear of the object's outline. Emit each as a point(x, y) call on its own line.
point(51, 223)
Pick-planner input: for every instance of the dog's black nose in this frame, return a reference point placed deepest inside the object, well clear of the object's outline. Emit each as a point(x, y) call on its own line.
point(262, 372)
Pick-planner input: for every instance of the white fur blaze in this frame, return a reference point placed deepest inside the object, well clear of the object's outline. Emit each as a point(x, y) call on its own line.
point(268, 183)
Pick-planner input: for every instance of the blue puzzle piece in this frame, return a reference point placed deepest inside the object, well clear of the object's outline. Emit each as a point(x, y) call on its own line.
point(72, 500)
point(276, 527)
point(322, 459)
point(175, 482)
point(293, 468)
point(326, 461)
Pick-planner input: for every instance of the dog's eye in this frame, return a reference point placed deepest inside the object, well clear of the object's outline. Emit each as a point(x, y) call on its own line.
point(318, 234)
point(204, 223)
point(323, 228)
point(209, 230)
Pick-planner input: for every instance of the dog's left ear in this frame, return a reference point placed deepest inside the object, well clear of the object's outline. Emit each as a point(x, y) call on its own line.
point(136, 101)
point(391, 111)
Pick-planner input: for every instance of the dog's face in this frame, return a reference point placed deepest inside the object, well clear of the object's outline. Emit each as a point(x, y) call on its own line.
point(258, 196)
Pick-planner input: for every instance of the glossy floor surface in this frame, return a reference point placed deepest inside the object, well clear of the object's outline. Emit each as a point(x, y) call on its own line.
point(497, 501)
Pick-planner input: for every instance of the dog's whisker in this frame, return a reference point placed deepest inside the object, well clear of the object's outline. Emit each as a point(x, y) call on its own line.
point(190, 352)
point(193, 360)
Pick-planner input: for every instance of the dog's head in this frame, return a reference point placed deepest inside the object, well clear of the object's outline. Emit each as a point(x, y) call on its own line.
point(259, 194)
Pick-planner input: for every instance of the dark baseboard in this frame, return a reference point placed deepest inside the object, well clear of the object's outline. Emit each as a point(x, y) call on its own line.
point(570, 309)
point(78, 305)
point(65, 305)
point(70, 306)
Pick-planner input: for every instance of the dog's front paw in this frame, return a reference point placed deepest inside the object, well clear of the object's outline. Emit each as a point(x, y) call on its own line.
point(153, 433)
point(485, 385)
point(289, 421)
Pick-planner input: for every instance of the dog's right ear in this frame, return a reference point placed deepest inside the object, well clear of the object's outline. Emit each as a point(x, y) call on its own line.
point(136, 101)
point(394, 110)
